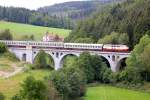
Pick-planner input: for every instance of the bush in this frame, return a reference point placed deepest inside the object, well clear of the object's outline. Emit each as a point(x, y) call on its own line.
point(114, 78)
point(16, 97)
point(3, 48)
point(6, 35)
point(69, 82)
point(85, 64)
point(52, 93)
point(106, 75)
point(2, 97)
point(28, 67)
point(32, 90)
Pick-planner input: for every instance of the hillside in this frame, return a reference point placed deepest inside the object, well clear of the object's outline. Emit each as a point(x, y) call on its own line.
point(130, 17)
point(19, 30)
point(11, 86)
point(76, 9)
point(63, 15)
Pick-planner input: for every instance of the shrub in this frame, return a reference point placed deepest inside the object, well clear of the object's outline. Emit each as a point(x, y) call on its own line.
point(3, 48)
point(106, 75)
point(85, 64)
point(69, 82)
point(52, 92)
point(28, 67)
point(16, 97)
point(2, 97)
point(32, 90)
point(6, 35)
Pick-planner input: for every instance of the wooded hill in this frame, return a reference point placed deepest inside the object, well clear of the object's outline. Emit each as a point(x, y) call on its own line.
point(58, 16)
point(131, 17)
point(76, 10)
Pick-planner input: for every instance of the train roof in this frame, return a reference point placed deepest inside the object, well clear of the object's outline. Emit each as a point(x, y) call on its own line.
point(83, 44)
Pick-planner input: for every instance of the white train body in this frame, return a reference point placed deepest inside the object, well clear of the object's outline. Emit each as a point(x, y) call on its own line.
point(68, 46)
point(83, 46)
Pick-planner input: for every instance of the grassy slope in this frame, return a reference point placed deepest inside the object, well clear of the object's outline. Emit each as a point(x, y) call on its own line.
point(5, 65)
point(19, 30)
point(11, 86)
point(112, 93)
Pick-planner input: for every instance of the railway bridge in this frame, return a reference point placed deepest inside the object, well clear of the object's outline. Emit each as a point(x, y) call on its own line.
point(27, 51)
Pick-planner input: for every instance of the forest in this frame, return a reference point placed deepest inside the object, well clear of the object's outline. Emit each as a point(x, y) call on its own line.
point(23, 15)
point(63, 15)
point(129, 20)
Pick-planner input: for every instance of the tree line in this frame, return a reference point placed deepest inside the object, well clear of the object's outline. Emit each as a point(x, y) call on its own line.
point(23, 15)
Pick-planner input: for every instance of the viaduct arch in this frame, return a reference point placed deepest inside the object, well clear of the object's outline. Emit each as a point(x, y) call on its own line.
point(114, 59)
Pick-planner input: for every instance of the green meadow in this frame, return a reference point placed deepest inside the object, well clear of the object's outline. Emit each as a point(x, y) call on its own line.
point(18, 30)
point(112, 93)
point(11, 86)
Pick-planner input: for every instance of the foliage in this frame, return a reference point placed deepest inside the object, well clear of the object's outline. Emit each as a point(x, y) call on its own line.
point(27, 38)
point(69, 82)
point(105, 75)
point(84, 63)
point(2, 97)
point(130, 18)
point(69, 61)
point(23, 15)
point(40, 60)
point(32, 90)
point(12, 89)
point(137, 63)
point(92, 66)
point(6, 35)
point(84, 40)
point(52, 92)
point(74, 10)
point(3, 48)
point(114, 38)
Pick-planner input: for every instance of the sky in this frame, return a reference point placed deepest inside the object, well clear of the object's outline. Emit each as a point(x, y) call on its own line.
point(31, 4)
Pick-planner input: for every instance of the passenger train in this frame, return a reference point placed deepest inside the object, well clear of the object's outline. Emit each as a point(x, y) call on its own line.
point(69, 46)
point(97, 47)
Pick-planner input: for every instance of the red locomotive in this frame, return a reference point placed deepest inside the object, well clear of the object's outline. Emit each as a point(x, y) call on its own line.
point(115, 48)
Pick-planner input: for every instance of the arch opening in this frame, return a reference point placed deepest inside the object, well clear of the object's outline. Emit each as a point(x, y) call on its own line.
point(68, 60)
point(45, 59)
point(24, 57)
point(105, 61)
point(121, 64)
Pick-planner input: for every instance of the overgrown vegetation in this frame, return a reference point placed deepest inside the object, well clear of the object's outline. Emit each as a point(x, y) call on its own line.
point(43, 60)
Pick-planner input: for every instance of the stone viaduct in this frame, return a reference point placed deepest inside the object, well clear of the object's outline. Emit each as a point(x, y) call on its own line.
point(27, 51)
